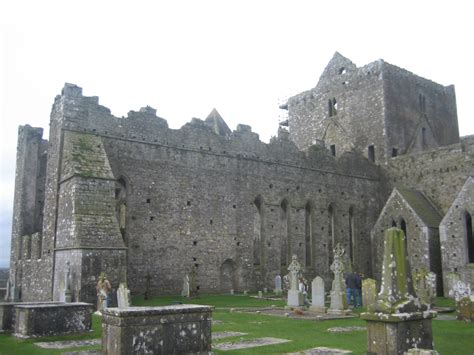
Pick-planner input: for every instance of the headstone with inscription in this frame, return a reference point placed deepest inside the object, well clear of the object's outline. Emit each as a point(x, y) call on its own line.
point(369, 292)
point(295, 296)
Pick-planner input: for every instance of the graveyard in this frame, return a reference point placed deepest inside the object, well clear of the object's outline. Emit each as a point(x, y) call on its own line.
point(386, 319)
point(451, 336)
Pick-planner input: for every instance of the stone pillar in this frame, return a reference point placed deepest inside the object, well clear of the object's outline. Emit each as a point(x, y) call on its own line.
point(397, 321)
point(178, 329)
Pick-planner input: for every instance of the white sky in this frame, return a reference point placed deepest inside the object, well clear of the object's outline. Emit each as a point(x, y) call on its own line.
point(186, 57)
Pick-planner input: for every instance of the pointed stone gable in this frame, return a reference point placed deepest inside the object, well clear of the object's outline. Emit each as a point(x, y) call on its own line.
point(337, 65)
point(423, 208)
point(217, 123)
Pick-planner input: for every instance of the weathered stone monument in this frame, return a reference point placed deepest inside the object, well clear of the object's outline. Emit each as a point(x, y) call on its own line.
point(397, 321)
point(66, 294)
point(464, 301)
point(185, 291)
point(103, 289)
point(278, 290)
point(369, 292)
point(425, 286)
point(338, 292)
point(295, 296)
point(318, 295)
point(123, 296)
point(178, 329)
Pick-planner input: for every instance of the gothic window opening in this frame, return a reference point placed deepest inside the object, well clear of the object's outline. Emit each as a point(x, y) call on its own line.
point(331, 241)
point(121, 204)
point(285, 251)
point(332, 107)
point(423, 137)
point(309, 237)
point(332, 147)
point(469, 236)
point(403, 227)
point(394, 152)
point(371, 153)
point(351, 235)
point(259, 232)
point(422, 103)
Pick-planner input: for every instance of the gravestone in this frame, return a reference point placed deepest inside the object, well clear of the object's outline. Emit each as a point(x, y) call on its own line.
point(185, 291)
point(465, 309)
point(397, 321)
point(425, 286)
point(260, 294)
point(278, 290)
point(317, 295)
point(431, 286)
point(338, 291)
point(66, 295)
point(451, 279)
point(123, 296)
point(369, 292)
point(295, 297)
point(103, 289)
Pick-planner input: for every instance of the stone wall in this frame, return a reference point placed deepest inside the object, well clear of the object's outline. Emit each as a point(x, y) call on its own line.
point(379, 110)
point(189, 197)
point(439, 173)
point(457, 242)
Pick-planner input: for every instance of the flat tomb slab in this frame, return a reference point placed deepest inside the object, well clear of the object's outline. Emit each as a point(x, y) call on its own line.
point(251, 343)
point(66, 344)
point(322, 351)
point(220, 335)
point(7, 313)
point(157, 330)
point(52, 319)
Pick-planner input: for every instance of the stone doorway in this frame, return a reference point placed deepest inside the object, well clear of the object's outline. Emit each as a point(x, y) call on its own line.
point(228, 276)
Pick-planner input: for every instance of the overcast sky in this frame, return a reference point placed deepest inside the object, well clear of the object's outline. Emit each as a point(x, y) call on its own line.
point(186, 57)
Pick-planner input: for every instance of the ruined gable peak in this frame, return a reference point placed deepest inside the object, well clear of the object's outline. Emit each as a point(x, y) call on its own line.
point(217, 123)
point(338, 65)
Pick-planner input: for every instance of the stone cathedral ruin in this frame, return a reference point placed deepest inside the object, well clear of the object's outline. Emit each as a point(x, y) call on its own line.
point(368, 148)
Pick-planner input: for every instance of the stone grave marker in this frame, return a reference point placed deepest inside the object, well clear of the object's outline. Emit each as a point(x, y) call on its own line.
point(295, 296)
point(278, 290)
point(338, 292)
point(317, 295)
point(397, 321)
point(123, 296)
point(451, 279)
point(369, 292)
point(185, 291)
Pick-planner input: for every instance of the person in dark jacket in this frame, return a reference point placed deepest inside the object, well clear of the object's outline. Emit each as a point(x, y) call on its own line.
point(353, 284)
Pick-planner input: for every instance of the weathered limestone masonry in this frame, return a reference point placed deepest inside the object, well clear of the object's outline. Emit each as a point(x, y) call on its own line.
point(140, 201)
point(129, 196)
point(379, 110)
point(180, 329)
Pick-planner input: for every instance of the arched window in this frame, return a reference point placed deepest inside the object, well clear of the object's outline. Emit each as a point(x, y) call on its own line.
point(469, 236)
point(121, 205)
point(351, 234)
point(309, 238)
point(403, 227)
point(259, 231)
point(285, 251)
point(331, 241)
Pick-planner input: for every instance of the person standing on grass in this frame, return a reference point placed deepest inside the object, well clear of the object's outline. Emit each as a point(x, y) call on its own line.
point(351, 284)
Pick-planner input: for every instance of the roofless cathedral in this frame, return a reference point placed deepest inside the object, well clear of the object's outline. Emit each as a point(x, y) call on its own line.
point(366, 149)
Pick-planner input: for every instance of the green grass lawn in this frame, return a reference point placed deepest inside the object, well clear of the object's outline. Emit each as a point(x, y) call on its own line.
point(450, 337)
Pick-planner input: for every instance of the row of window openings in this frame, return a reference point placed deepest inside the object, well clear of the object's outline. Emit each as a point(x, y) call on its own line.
point(370, 152)
point(286, 252)
point(332, 105)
